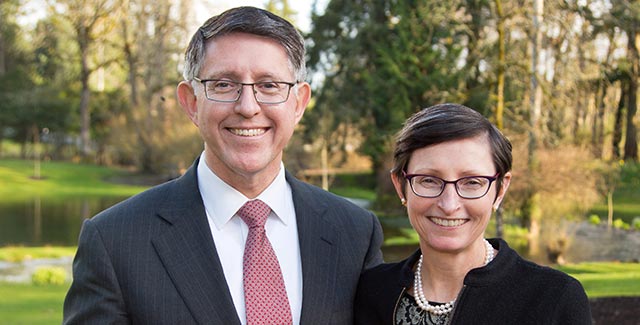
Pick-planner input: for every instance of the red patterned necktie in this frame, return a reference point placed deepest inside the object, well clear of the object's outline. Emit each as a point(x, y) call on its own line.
point(265, 295)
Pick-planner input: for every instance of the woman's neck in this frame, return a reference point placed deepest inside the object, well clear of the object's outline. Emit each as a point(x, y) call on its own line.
point(443, 273)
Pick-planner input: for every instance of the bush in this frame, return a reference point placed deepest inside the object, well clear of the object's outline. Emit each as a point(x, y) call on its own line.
point(635, 224)
point(620, 224)
point(49, 275)
point(594, 219)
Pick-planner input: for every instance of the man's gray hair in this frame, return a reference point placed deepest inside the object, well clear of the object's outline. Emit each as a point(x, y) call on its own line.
point(252, 21)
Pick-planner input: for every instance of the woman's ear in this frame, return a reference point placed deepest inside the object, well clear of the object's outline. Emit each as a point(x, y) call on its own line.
point(506, 180)
point(398, 184)
point(188, 100)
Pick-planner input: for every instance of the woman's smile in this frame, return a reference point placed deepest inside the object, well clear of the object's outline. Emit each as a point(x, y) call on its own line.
point(448, 222)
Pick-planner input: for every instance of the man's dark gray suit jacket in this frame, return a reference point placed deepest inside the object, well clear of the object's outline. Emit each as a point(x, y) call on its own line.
point(151, 259)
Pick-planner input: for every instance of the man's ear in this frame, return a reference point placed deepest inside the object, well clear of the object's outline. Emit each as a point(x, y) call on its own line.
point(188, 100)
point(302, 99)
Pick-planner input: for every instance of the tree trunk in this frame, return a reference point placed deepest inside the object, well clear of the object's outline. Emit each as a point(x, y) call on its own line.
point(85, 119)
point(36, 151)
point(386, 199)
point(631, 143)
point(597, 135)
point(324, 157)
point(3, 68)
point(499, 112)
point(609, 209)
point(617, 129)
point(534, 130)
point(85, 115)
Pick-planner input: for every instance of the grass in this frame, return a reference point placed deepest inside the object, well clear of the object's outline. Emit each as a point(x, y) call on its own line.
point(354, 192)
point(17, 254)
point(60, 179)
point(606, 279)
point(626, 196)
point(30, 304)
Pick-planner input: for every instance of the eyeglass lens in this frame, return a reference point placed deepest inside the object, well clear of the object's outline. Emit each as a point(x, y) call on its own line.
point(264, 92)
point(467, 187)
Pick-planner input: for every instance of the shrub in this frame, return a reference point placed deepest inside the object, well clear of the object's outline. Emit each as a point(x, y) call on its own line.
point(620, 224)
point(49, 275)
point(635, 223)
point(594, 219)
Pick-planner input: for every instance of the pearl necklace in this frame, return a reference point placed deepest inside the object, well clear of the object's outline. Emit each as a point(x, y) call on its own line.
point(422, 301)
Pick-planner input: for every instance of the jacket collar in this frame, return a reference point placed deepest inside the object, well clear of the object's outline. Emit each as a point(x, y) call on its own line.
point(184, 244)
point(186, 248)
point(318, 249)
point(483, 276)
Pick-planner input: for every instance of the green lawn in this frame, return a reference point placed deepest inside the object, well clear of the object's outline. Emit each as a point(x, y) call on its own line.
point(17, 254)
point(626, 196)
point(60, 179)
point(31, 305)
point(606, 279)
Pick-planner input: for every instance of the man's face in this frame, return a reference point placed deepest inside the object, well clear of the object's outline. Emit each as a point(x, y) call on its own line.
point(244, 140)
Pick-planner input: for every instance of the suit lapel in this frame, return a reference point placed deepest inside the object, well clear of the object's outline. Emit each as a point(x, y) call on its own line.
point(318, 250)
point(186, 248)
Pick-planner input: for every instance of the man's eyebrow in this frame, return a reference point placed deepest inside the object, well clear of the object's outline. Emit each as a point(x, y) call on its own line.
point(233, 76)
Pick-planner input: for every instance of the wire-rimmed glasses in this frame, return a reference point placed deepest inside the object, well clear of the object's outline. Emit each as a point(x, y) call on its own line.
point(227, 91)
point(470, 187)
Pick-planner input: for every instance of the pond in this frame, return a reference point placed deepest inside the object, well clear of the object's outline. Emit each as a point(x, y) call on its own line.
point(38, 222)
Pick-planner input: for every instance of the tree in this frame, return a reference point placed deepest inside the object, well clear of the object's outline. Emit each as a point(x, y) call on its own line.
point(631, 142)
point(89, 20)
point(535, 106)
point(148, 34)
point(499, 110)
point(384, 61)
point(11, 75)
point(281, 8)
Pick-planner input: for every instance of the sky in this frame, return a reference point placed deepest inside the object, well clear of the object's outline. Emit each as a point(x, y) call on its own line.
point(34, 10)
point(207, 8)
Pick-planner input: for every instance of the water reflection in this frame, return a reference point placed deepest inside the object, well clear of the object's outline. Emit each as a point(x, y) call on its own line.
point(37, 221)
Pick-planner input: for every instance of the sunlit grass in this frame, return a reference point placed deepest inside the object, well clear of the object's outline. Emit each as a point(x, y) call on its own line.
point(354, 192)
point(30, 304)
point(59, 179)
point(606, 279)
point(19, 253)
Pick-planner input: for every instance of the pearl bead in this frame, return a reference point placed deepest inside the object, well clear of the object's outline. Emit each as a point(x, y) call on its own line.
point(446, 308)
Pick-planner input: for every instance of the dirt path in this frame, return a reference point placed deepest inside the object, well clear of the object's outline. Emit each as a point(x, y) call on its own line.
point(616, 310)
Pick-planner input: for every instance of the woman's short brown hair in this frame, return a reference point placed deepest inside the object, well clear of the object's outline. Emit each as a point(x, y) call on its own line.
point(447, 122)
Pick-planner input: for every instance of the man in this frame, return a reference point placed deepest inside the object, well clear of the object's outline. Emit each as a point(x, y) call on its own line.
point(178, 253)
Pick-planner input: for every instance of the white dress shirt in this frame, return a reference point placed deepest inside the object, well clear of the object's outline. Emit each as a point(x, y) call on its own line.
point(221, 202)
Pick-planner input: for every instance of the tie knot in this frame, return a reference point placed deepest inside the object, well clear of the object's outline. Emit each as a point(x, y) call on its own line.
point(254, 213)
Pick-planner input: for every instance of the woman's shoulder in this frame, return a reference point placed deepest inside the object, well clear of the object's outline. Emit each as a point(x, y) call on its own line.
point(511, 265)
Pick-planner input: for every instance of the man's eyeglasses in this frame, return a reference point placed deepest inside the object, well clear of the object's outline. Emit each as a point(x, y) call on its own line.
point(227, 91)
point(470, 187)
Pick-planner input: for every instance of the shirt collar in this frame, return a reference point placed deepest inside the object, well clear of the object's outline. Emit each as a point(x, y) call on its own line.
point(222, 201)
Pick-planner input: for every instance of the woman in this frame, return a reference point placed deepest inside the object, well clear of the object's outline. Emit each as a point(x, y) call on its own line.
point(451, 170)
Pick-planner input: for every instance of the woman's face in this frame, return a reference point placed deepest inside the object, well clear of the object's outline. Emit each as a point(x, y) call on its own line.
point(450, 223)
